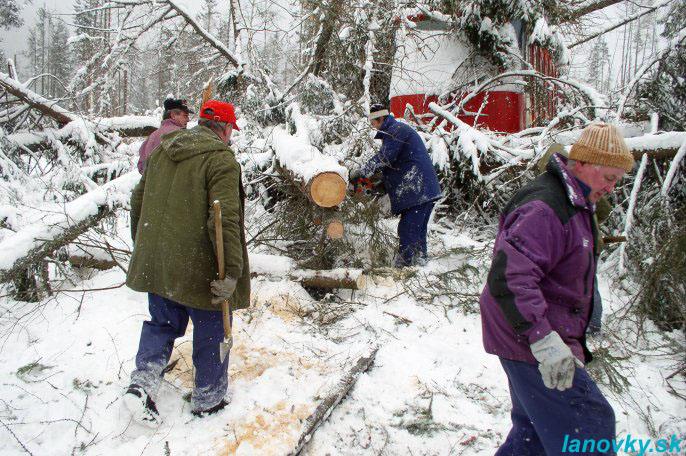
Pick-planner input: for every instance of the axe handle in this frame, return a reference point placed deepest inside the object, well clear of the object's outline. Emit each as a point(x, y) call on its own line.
point(219, 235)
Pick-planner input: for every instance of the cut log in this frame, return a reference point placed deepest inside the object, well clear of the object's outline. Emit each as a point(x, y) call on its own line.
point(90, 262)
point(327, 189)
point(321, 178)
point(350, 279)
point(335, 230)
point(279, 267)
point(326, 406)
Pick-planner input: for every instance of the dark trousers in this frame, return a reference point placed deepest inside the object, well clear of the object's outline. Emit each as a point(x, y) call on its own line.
point(412, 233)
point(168, 321)
point(542, 417)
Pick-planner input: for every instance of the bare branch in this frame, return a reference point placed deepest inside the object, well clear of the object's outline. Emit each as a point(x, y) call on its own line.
point(618, 24)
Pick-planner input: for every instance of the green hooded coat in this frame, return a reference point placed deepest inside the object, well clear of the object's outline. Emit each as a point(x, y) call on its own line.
point(172, 221)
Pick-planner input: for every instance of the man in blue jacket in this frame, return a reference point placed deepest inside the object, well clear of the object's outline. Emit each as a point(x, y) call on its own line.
point(410, 180)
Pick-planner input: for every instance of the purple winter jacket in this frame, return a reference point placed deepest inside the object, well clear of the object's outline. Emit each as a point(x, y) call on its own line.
point(167, 126)
point(541, 276)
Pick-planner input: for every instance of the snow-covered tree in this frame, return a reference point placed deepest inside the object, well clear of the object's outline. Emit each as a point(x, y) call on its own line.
point(599, 65)
point(665, 94)
point(9, 18)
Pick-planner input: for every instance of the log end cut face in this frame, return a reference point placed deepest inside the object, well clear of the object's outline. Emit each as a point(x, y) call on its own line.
point(335, 230)
point(327, 189)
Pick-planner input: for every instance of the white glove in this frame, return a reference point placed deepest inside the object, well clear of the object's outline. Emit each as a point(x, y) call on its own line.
point(222, 289)
point(557, 363)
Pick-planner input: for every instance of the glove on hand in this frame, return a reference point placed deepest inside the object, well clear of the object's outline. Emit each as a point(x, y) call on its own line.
point(222, 289)
point(557, 363)
point(354, 175)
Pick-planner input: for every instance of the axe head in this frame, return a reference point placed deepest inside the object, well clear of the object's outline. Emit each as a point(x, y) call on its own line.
point(225, 348)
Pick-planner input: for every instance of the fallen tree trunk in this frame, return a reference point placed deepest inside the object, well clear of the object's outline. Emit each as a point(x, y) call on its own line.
point(90, 262)
point(655, 153)
point(34, 256)
point(279, 267)
point(350, 279)
point(614, 239)
point(126, 127)
point(319, 176)
point(31, 98)
point(325, 407)
point(31, 244)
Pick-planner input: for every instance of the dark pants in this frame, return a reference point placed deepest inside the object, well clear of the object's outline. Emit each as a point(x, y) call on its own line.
point(412, 233)
point(542, 417)
point(168, 321)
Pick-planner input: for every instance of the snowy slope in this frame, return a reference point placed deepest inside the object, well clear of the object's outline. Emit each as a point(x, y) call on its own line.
point(432, 389)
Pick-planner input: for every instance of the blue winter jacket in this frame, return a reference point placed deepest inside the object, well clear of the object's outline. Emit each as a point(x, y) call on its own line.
point(408, 173)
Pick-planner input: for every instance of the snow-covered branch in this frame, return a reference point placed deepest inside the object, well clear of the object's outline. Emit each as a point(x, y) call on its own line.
point(48, 107)
point(646, 66)
point(44, 236)
point(211, 39)
point(667, 184)
point(617, 24)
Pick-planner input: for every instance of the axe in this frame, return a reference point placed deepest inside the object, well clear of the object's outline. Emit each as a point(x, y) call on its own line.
point(227, 343)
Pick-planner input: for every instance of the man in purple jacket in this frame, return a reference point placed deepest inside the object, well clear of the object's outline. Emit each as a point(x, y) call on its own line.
point(176, 115)
point(537, 301)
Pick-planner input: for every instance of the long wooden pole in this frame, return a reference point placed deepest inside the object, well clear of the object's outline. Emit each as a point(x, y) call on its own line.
point(226, 310)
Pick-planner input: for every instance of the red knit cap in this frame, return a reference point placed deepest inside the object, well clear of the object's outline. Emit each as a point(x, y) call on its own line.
point(219, 111)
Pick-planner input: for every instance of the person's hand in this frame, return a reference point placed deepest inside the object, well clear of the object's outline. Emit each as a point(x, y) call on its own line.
point(557, 363)
point(222, 289)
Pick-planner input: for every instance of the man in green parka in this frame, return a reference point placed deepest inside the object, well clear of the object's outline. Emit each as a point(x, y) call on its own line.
point(174, 258)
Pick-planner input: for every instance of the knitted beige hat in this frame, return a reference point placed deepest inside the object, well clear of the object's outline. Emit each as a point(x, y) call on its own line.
point(602, 144)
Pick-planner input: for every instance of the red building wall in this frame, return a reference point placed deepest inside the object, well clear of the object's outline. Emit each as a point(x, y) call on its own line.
point(504, 112)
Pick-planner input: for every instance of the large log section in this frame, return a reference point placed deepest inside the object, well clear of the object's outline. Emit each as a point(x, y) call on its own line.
point(321, 177)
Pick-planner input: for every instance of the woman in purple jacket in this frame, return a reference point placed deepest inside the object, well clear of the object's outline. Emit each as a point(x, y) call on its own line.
point(537, 301)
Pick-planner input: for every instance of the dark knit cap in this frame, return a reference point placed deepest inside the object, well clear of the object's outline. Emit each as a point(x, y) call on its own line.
point(171, 103)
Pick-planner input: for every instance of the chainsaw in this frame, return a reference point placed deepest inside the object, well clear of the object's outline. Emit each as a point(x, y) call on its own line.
point(367, 186)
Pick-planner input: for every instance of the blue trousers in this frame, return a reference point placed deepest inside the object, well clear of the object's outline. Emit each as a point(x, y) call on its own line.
point(412, 230)
point(168, 320)
point(542, 417)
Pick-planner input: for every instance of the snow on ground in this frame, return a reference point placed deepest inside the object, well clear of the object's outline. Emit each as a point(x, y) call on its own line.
point(431, 390)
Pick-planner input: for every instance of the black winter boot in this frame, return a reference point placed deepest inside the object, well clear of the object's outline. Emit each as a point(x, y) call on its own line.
point(142, 408)
point(210, 411)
